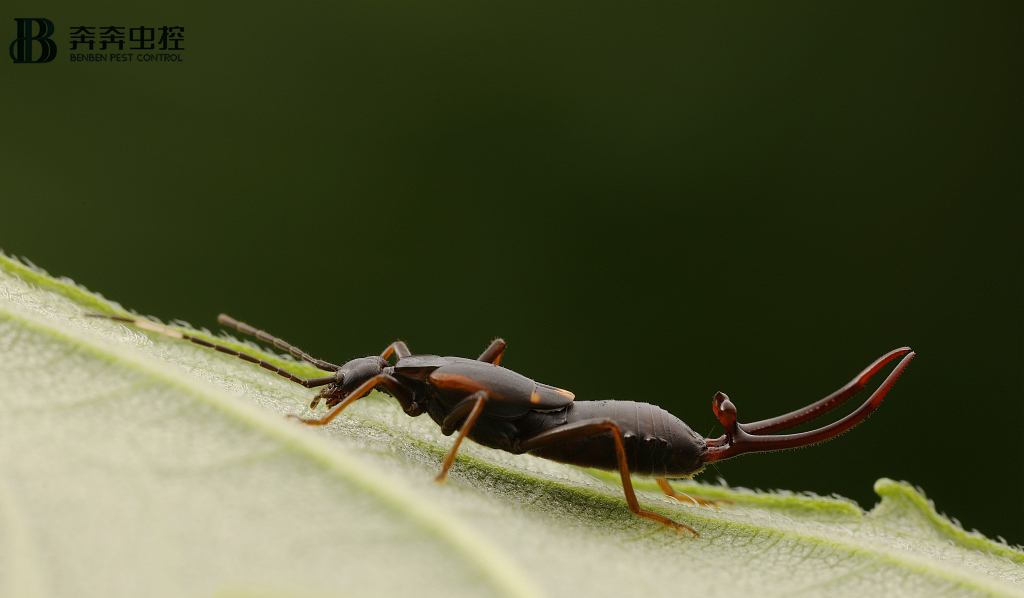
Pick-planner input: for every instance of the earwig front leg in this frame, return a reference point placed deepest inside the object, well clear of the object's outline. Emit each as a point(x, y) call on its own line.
point(493, 353)
point(667, 488)
point(394, 387)
point(325, 393)
point(474, 405)
point(583, 429)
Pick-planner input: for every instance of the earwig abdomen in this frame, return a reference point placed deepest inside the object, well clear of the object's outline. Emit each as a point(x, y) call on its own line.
point(657, 443)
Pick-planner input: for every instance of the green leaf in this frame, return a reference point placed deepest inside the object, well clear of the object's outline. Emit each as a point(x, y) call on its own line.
point(133, 464)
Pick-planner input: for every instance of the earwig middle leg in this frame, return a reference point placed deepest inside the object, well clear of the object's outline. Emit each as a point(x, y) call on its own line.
point(494, 352)
point(584, 429)
point(474, 405)
point(667, 488)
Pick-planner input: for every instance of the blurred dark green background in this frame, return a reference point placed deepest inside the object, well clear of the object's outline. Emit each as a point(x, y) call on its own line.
point(648, 201)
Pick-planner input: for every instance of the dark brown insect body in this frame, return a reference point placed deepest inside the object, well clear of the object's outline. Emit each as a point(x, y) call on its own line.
point(656, 442)
point(501, 409)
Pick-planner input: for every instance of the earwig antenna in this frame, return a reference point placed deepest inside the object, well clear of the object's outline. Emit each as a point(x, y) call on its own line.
point(277, 342)
point(147, 325)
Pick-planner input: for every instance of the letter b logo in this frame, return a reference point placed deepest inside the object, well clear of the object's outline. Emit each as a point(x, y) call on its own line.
point(21, 48)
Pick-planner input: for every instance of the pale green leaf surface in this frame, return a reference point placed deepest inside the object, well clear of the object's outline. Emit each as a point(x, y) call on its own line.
point(134, 464)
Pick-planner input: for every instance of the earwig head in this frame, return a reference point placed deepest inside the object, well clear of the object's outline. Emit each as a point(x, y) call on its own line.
point(755, 437)
point(357, 371)
point(349, 377)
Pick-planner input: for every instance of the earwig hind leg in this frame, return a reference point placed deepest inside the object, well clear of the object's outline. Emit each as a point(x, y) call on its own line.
point(494, 352)
point(667, 488)
point(244, 328)
point(474, 406)
point(583, 429)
